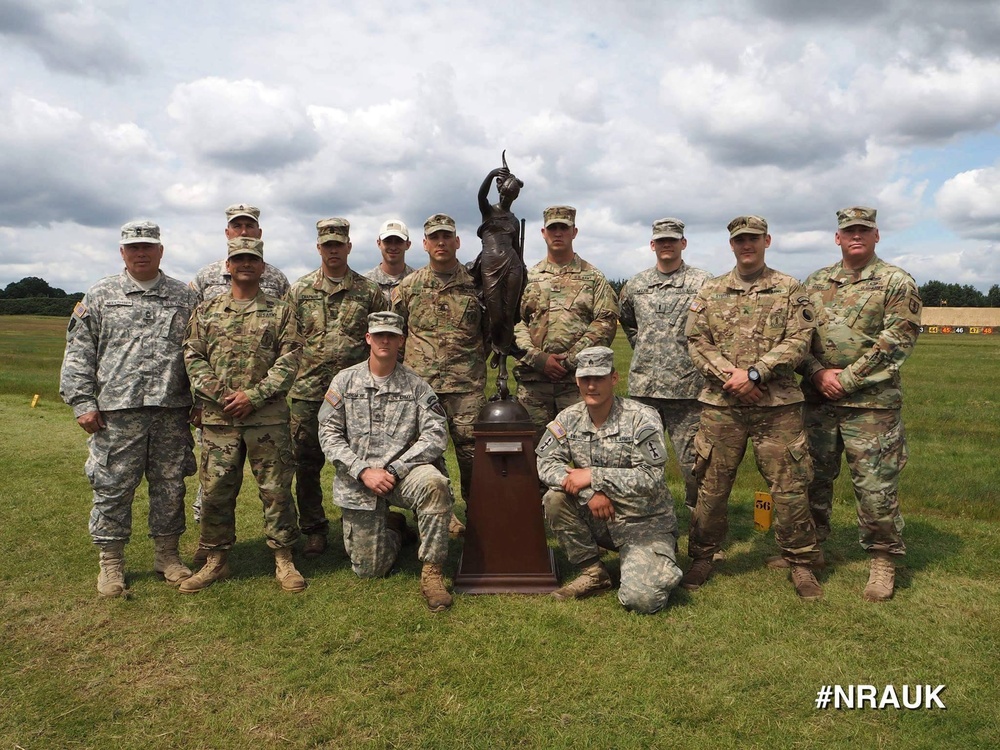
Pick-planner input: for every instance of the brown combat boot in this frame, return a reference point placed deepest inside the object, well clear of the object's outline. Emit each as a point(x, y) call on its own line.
point(433, 588)
point(881, 578)
point(166, 560)
point(200, 554)
point(455, 527)
point(284, 570)
point(315, 545)
point(806, 585)
point(215, 569)
point(592, 580)
point(111, 579)
point(696, 576)
point(778, 562)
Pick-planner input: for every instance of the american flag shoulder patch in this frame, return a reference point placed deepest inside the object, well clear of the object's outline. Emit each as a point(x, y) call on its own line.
point(333, 398)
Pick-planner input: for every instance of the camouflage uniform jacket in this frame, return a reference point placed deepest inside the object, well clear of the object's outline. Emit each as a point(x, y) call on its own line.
point(564, 310)
point(386, 282)
point(768, 326)
point(362, 426)
point(445, 330)
point(255, 350)
point(214, 279)
point(867, 323)
point(124, 346)
point(333, 320)
point(654, 310)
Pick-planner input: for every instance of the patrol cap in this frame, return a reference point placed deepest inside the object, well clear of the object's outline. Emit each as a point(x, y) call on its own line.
point(394, 228)
point(333, 230)
point(849, 217)
point(242, 209)
point(595, 361)
point(439, 222)
point(747, 225)
point(140, 231)
point(668, 229)
point(385, 322)
point(245, 246)
point(559, 215)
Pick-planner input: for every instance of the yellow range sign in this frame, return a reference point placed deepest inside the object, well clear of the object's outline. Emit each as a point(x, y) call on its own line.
point(763, 511)
point(981, 330)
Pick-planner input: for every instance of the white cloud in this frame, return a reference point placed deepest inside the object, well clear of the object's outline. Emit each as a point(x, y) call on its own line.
point(970, 203)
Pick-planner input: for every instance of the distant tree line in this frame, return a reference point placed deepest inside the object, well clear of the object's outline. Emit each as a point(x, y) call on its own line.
point(939, 294)
point(33, 296)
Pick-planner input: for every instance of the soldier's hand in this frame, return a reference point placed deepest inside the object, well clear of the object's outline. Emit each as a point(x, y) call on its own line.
point(601, 507)
point(738, 383)
point(379, 481)
point(194, 418)
point(237, 405)
point(91, 422)
point(755, 395)
point(826, 382)
point(576, 480)
point(554, 368)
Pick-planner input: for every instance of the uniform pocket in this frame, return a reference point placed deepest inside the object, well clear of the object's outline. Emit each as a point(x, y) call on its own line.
point(703, 451)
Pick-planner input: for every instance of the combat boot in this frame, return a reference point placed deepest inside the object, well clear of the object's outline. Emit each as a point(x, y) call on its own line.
point(433, 589)
point(778, 562)
point(284, 570)
point(315, 545)
point(397, 522)
point(697, 574)
point(200, 554)
point(455, 527)
point(167, 561)
point(215, 569)
point(111, 580)
point(592, 580)
point(806, 585)
point(881, 578)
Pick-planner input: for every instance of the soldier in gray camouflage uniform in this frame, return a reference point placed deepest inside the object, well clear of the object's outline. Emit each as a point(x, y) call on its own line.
point(602, 461)
point(242, 352)
point(332, 304)
point(747, 331)
point(123, 374)
point(567, 306)
point(384, 430)
point(393, 242)
point(654, 310)
point(868, 318)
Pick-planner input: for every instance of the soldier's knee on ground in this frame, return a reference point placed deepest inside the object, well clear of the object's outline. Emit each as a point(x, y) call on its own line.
point(643, 600)
point(555, 504)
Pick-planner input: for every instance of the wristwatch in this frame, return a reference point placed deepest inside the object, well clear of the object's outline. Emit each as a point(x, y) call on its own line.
point(392, 471)
point(753, 375)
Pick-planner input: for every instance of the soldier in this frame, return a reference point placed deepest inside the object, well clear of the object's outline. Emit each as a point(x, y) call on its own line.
point(123, 374)
point(654, 311)
point(446, 339)
point(867, 320)
point(332, 304)
point(384, 430)
point(242, 352)
point(567, 306)
point(393, 242)
point(602, 461)
point(747, 331)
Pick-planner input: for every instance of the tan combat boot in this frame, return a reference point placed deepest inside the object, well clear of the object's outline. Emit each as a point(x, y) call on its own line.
point(592, 580)
point(215, 569)
point(167, 561)
point(111, 580)
point(806, 585)
point(433, 589)
point(881, 578)
point(455, 527)
point(284, 570)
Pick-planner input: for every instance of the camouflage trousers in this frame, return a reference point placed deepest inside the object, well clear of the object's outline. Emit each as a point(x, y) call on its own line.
point(680, 418)
point(647, 547)
point(373, 548)
point(462, 409)
point(151, 441)
point(779, 446)
point(224, 451)
point(543, 400)
point(875, 444)
point(309, 461)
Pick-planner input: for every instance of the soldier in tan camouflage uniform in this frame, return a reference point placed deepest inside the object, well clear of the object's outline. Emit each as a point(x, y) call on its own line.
point(393, 242)
point(446, 338)
point(747, 330)
point(867, 320)
point(332, 304)
point(123, 374)
point(567, 306)
point(384, 430)
point(242, 352)
point(654, 310)
point(602, 461)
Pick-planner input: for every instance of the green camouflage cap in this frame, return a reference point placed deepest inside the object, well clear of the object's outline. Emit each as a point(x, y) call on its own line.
point(747, 225)
point(856, 215)
point(245, 246)
point(559, 215)
point(242, 209)
point(439, 222)
point(140, 231)
point(333, 230)
point(669, 229)
point(385, 322)
point(595, 361)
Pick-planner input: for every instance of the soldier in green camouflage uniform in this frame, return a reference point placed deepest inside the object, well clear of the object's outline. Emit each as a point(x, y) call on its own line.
point(242, 352)
point(383, 428)
point(868, 318)
point(654, 310)
point(393, 242)
point(567, 306)
point(602, 461)
point(332, 304)
point(123, 374)
point(747, 330)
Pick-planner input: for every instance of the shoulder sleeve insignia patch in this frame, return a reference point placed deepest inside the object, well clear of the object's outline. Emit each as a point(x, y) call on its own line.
point(80, 309)
point(649, 439)
point(333, 398)
point(557, 430)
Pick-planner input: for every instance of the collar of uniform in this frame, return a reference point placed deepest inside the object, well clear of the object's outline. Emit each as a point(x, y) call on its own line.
point(323, 283)
point(574, 266)
point(842, 274)
point(258, 303)
point(674, 279)
point(130, 287)
point(392, 385)
point(759, 284)
point(461, 275)
point(610, 426)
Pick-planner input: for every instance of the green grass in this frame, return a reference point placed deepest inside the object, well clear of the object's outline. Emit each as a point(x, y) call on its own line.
point(352, 663)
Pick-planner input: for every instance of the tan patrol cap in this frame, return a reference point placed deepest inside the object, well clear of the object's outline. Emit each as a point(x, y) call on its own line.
point(856, 215)
point(559, 215)
point(394, 228)
point(595, 361)
point(385, 322)
point(242, 209)
point(140, 231)
point(333, 230)
point(245, 246)
point(747, 225)
point(438, 223)
point(668, 229)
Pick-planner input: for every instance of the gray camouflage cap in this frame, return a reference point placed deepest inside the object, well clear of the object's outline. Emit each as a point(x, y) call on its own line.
point(333, 230)
point(668, 229)
point(595, 361)
point(747, 225)
point(439, 222)
point(242, 209)
point(245, 246)
point(856, 215)
point(559, 215)
point(140, 231)
point(385, 322)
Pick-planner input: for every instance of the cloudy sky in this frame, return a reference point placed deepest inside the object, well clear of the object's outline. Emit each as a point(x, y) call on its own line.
point(629, 110)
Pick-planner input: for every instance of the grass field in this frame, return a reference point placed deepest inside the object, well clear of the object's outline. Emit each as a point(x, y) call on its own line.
point(352, 663)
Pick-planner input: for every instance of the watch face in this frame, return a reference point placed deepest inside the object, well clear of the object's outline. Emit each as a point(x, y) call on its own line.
point(753, 375)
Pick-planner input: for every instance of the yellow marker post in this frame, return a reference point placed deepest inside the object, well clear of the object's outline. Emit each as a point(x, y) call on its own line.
point(34, 401)
point(763, 511)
